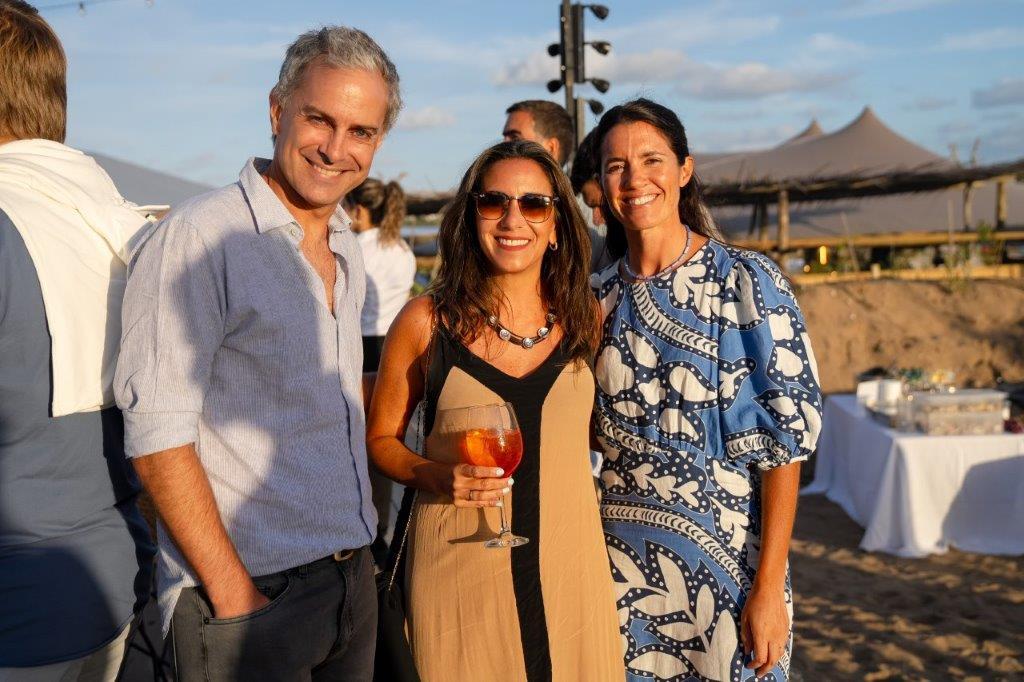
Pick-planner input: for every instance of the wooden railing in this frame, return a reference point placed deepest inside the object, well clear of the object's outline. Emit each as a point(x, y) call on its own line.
point(894, 239)
point(958, 272)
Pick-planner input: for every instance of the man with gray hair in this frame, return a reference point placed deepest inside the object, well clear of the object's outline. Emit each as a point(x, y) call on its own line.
point(240, 381)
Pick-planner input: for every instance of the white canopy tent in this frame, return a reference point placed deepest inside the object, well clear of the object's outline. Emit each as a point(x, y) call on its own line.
point(148, 187)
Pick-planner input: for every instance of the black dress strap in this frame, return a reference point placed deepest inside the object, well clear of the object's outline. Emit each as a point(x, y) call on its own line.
point(444, 355)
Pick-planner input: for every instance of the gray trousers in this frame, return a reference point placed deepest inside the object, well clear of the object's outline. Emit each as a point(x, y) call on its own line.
point(321, 624)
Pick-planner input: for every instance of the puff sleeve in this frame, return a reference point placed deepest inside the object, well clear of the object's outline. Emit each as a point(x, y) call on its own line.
point(770, 400)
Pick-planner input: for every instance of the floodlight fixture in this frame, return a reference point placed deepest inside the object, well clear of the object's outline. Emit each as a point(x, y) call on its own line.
point(602, 46)
point(601, 84)
point(600, 11)
point(596, 108)
point(554, 49)
point(554, 85)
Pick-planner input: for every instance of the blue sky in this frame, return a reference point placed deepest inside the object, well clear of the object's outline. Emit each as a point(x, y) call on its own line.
point(181, 86)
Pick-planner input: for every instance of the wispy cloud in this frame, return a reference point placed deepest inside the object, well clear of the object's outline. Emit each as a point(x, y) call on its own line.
point(1004, 142)
point(648, 67)
point(409, 41)
point(930, 103)
point(536, 69)
point(830, 42)
point(988, 39)
point(427, 117)
point(716, 24)
point(754, 80)
point(956, 128)
point(1006, 92)
point(855, 9)
point(748, 80)
point(742, 138)
point(828, 50)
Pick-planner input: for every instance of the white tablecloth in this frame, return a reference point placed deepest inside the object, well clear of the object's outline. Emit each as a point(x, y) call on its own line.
point(916, 494)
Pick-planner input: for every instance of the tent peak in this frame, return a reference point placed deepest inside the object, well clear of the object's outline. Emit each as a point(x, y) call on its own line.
point(867, 115)
point(812, 130)
point(867, 123)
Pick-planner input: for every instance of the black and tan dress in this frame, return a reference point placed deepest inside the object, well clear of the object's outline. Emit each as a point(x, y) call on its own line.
point(543, 611)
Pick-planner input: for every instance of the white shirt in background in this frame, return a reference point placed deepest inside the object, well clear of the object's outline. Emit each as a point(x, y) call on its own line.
point(390, 271)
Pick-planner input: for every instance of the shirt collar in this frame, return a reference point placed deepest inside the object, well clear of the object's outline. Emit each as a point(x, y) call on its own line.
point(267, 210)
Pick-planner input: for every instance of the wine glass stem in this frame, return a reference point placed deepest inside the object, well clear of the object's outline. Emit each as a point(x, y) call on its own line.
point(505, 530)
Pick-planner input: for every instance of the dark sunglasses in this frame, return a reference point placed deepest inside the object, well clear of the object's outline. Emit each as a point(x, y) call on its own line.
point(536, 208)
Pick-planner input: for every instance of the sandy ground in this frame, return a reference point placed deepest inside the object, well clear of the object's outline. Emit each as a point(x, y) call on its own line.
point(863, 616)
point(973, 328)
point(871, 616)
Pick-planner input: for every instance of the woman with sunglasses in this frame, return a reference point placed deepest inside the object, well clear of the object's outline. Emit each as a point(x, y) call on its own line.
point(509, 318)
point(708, 399)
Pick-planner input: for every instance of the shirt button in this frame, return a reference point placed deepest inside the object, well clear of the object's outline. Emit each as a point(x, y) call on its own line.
point(295, 232)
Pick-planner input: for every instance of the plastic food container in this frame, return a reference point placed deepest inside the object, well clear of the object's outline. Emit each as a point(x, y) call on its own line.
point(969, 400)
point(959, 423)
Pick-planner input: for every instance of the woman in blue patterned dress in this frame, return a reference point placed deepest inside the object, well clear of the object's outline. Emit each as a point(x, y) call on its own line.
point(708, 400)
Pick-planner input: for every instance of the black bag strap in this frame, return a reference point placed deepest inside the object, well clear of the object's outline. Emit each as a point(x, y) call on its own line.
point(409, 497)
point(404, 514)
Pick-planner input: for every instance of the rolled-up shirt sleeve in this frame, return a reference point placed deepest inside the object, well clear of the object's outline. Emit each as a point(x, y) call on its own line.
point(173, 325)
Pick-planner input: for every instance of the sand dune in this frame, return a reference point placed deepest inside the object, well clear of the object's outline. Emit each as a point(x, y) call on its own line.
point(974, 328)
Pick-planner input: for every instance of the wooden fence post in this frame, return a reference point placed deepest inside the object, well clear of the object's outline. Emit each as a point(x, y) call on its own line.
point(762, 228)
point(1002, 208)
point(968, 214)
point(783, 220)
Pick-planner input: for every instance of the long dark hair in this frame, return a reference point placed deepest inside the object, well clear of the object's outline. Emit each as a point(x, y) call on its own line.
point(386, 203)
point(463, 291)
point(692, 210)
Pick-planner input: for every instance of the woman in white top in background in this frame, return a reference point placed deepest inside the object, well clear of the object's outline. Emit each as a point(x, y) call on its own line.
point(377, 210)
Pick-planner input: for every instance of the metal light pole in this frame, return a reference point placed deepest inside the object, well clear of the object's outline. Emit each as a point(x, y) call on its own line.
point(571, 47)
point(566, 17)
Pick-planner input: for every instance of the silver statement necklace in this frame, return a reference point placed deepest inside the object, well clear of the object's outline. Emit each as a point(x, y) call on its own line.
point(669, 268)
point(506, 334)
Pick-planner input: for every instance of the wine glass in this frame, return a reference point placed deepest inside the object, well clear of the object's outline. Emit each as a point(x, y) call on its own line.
point(489, 436)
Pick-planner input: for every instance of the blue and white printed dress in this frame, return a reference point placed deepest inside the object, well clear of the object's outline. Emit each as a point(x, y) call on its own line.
point(706, 378)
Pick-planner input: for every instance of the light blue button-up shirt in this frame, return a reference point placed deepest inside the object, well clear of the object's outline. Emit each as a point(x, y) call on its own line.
point(228, 343)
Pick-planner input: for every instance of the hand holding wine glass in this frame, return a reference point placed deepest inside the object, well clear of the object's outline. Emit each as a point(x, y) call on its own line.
point(478, 486)
point(489, 439)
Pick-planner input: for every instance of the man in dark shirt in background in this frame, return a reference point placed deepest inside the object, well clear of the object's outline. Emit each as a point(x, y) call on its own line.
point(546, 123)
point(75, 554)
point(549, 125)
